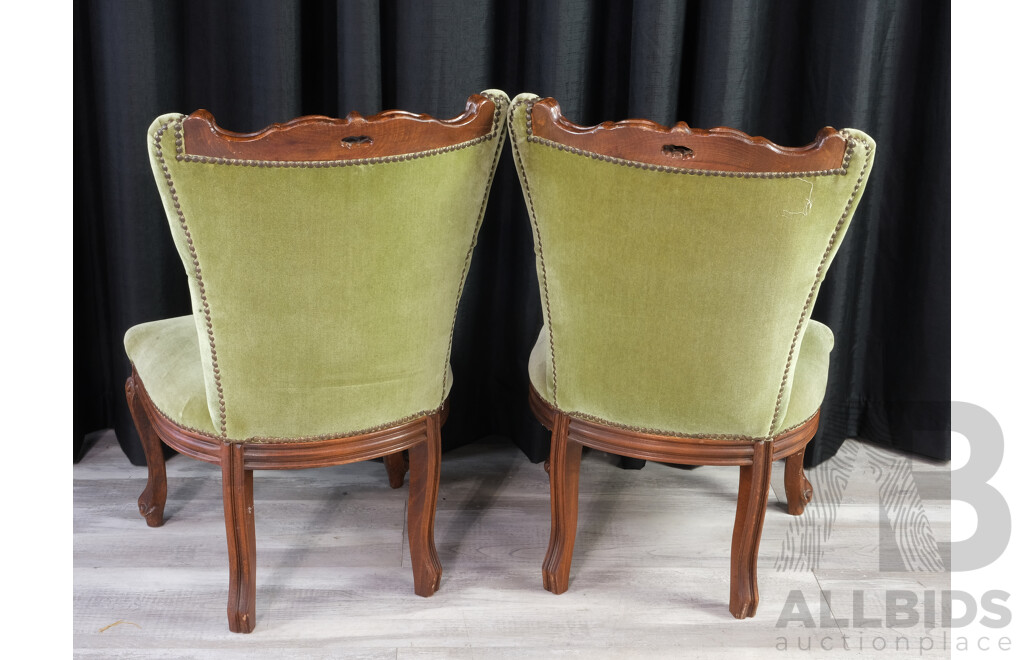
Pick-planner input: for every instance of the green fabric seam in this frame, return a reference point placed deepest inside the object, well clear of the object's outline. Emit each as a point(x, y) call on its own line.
point(540, 246)
point(819, 275)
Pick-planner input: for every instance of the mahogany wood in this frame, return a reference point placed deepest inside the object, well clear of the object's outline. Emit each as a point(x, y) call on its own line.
point(315, 137)
point(791, 441)
point(240, 522)
point(286, 455)
point(154, 497)
point(569, 434)
point(424, 476)
point(564, 471)
point(751, 503)
point(397, 465)
point(422, 437)
point(798, 489)
point(718, 149)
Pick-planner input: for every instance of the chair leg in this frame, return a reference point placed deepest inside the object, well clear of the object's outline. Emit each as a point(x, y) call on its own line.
point(397, 465)
point(240, 522)
point(154, 497)
point(565, 482)
point(746, 534)
point(424, 478)
point(798, 488)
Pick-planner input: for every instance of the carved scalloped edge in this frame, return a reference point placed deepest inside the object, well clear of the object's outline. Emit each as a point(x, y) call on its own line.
point(473, 106)
point(683, 129)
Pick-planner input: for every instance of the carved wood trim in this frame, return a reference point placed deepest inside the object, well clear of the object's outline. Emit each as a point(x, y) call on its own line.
point(319, 138)
point(794, 440)
point(799, 490)
point(672, 449)
point(682, 147)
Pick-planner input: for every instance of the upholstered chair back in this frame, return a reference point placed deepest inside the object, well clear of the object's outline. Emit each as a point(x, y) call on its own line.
point(678, 269)
point(324, 288)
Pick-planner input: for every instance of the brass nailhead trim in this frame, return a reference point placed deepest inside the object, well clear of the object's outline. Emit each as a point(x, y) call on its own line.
point(216, 160)
point(157, 140)
point(540, 245)
point(530, 137)
point(819, 275)
point(495, 130)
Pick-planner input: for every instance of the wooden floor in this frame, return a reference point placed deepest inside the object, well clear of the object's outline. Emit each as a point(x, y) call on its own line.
point(649, 578)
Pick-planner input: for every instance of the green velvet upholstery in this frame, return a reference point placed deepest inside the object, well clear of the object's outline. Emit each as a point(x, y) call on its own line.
point(324, 298)
point(165, 354)
point(679, 302)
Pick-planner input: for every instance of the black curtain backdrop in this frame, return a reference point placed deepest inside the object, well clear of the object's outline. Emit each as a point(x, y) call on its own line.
point(781, 69)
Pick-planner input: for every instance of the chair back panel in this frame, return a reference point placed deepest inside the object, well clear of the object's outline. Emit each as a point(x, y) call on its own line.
point(676, 298)
point(325, 292)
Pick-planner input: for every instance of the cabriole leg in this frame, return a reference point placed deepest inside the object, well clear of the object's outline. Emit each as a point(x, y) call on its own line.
point(746, 534)
point(240, 522)
point(424, 478)
point(154, 497)
point(564, 473)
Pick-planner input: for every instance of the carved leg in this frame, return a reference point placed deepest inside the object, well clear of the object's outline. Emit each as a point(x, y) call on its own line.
point(240, 522)
point(746, 533)
point(424, 477)
point(154, 497)
point(565, 486)
point(798, 488)
point(397, 465)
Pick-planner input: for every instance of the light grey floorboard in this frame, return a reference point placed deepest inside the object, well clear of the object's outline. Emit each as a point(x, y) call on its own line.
point(650, 575)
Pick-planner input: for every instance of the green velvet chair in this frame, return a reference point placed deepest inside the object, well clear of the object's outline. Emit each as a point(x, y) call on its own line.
point(325, 260)
point(678, 269)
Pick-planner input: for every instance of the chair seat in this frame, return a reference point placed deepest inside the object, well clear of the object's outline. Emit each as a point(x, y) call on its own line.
point(810, 375)
point(166, 356)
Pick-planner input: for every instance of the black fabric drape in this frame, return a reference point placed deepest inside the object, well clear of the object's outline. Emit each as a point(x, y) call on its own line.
point(778, 69)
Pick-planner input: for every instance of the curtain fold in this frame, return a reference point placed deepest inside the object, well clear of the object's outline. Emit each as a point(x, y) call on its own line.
point(781, 70)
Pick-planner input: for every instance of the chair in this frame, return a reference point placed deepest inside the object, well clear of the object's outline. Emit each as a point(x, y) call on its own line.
point(677, 271)
point(325, 260)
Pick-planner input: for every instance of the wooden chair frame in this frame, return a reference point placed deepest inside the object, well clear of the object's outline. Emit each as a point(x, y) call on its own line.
point(719, 150)
point(388, 136)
